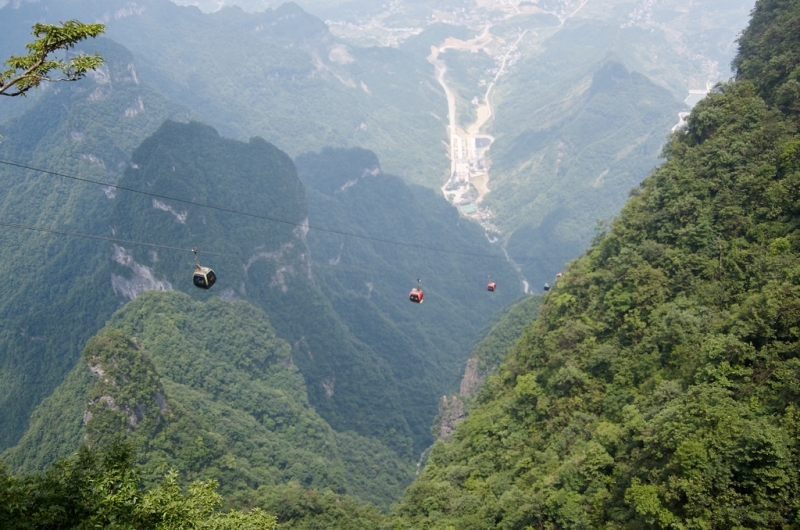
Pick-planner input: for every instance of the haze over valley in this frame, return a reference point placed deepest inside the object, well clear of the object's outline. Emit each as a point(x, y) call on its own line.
point(418, 85)
point(324, 158)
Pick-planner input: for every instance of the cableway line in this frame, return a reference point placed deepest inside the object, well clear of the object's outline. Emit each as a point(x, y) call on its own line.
point(249, 214)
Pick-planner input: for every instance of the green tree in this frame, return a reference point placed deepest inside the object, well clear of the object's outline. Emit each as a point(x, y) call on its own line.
point(29, 71)
point(103, 490)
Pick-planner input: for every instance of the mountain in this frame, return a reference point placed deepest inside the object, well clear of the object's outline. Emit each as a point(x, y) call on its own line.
point(368, 279)
point(578, 98)
point(373, 363)
point(555, 181)
point(207, 389)
point(265, 262)
point(60, 296)
point(278, 74)
point(658, 386)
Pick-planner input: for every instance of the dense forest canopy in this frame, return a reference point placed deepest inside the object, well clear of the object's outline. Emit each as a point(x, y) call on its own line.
point(771, 59)
point(658, 387)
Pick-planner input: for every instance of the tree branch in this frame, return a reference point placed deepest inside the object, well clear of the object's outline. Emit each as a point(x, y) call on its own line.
point(35, 66)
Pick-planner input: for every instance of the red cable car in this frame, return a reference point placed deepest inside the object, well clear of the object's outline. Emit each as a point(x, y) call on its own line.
point(491, 287)
point(417, 294)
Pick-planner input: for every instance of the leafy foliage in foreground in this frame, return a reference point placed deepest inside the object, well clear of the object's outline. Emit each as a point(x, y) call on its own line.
point(659, 386)
point(103, 490)
point(298, 508)
point(29, 71)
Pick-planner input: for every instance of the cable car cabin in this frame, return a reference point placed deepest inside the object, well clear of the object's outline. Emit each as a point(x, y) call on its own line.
point(491, 287)
point(546, 286)
point(416, 295)
point(204, 277)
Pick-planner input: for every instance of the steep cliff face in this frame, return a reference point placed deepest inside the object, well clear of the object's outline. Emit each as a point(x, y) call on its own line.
point(127, 397)
point(488, 352)
point(658, 386)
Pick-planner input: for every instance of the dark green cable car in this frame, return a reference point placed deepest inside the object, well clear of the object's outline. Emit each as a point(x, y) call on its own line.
point(203, 277)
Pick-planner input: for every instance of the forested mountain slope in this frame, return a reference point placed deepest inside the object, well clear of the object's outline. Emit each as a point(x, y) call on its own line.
point(368, 280)
point(491, 348)
point(207, 389)
point(56, 292)
point(372, 363)
point(658, 388)
point(263, 261)
point(497, 339)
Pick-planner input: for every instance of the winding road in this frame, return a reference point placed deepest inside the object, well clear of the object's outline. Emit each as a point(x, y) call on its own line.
point(484, 110)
